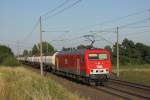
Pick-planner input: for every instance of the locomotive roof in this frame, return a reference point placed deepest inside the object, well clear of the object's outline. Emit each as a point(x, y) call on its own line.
point(77, 51)
point(72, 52)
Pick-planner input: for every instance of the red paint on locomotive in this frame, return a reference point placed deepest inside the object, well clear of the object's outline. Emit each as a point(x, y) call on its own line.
point(88, 63)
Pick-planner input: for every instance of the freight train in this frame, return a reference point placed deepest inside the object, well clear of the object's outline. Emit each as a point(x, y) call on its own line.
point(90, 66)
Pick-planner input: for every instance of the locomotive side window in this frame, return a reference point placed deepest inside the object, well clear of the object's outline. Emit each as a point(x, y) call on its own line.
point(93, 56)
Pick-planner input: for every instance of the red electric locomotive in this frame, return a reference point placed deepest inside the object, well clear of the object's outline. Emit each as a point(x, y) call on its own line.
point(90, 65)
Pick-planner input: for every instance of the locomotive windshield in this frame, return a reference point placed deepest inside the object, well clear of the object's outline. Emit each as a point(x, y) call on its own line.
point(93, 56)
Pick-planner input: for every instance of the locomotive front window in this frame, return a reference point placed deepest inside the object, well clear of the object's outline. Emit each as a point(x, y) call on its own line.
point(93, 56)
point(102, 56)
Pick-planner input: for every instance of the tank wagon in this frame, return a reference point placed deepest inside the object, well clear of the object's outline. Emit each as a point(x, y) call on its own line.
point(86, 65)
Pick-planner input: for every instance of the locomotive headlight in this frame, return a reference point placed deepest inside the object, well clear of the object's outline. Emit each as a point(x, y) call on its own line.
point(92, 70)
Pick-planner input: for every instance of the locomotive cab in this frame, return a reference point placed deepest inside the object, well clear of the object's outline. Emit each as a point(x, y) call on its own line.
point(98, 64)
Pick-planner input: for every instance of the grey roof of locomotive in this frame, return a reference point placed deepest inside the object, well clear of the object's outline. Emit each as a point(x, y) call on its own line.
point(72, 52)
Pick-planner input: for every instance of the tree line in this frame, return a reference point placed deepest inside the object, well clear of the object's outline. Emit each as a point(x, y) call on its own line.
point(47, 49)
point(129, 52)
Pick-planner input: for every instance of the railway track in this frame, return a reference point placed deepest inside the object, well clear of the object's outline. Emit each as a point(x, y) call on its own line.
point(126, 90)
point(130, 84)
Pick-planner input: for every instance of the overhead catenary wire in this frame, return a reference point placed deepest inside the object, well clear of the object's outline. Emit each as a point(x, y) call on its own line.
point(105, 30)
point(114, 20)
point(106, 40)
point(67, 39)
point(72, 43)
point(137, 27)
point(75, 39)
point(98, 35)
point(137, 22)
point(56, 8)
point(21, 45)
point(76, 2)
point(62, 10)
point(121, 26)
point(56, 31)
point(138, 32)
point(30, 33)
point(14, 42)
point(133, 14)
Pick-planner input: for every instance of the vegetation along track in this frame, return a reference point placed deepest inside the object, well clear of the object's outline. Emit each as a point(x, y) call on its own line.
point(126, 90)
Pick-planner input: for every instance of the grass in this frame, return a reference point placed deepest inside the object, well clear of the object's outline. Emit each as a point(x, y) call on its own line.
point(144, 66)
point(137, 73)
point(19, 83)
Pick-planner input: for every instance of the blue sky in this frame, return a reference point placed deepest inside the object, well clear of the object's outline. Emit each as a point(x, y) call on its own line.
point(18, 17)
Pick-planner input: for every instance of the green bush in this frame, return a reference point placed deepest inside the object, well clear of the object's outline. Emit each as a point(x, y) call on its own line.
point(7, 58)
point(10, 61)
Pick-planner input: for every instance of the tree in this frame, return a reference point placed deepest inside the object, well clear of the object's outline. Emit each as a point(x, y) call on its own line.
point(5, 49)
point(7, 57)
point(4, 52)
point(35, 50)
point(46, 48)
point(108, 48)
point(110, 51)
point(25, 53)
point(131, 53)
point(144, 52)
